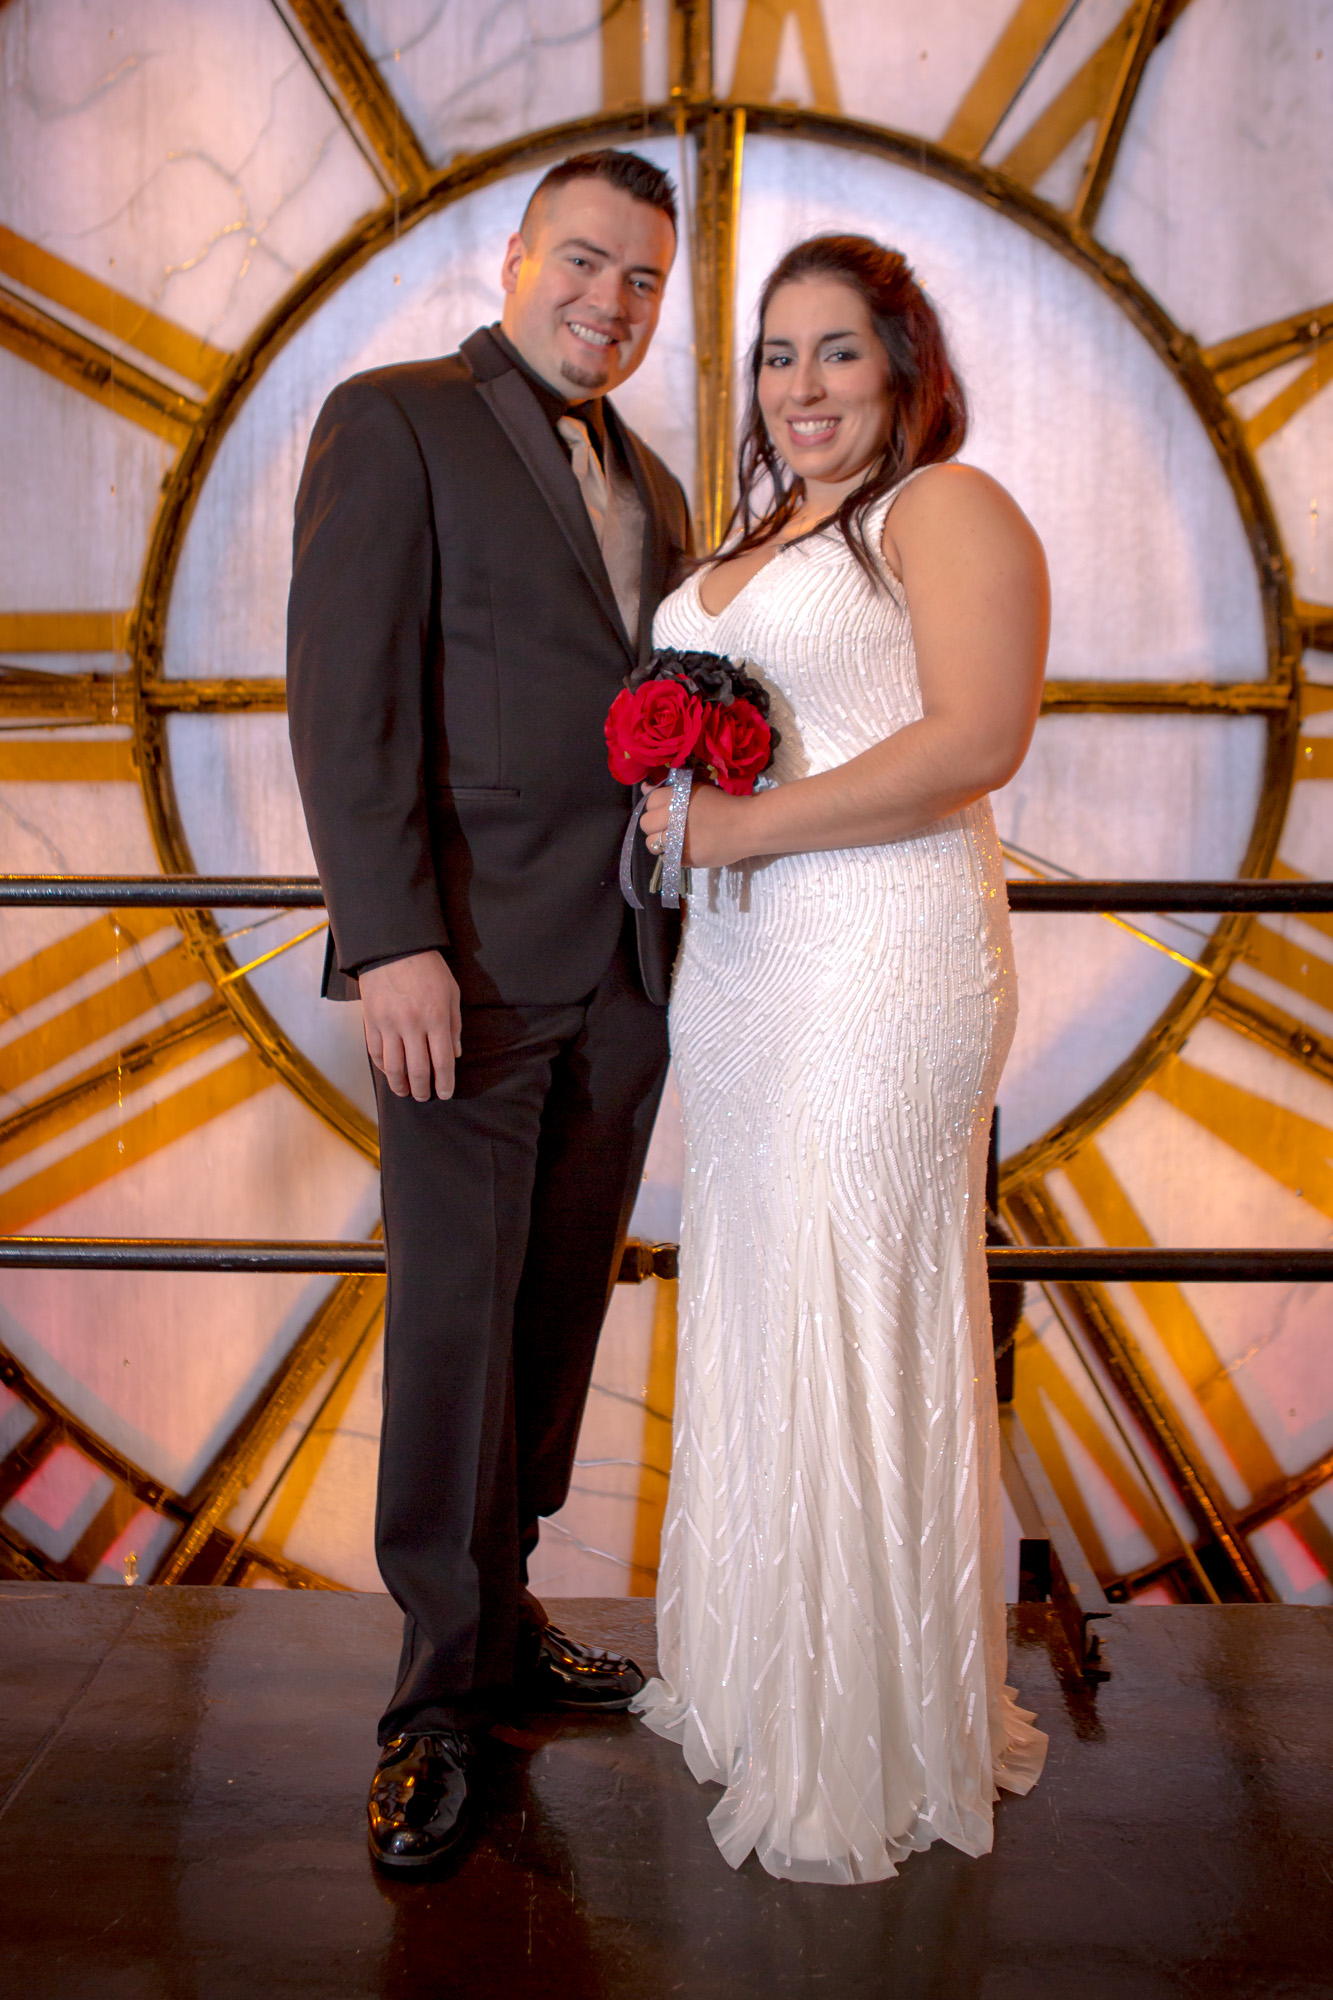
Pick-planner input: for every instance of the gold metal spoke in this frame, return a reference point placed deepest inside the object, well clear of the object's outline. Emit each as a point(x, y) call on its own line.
point(242, 694)
point(355, 86)
point(1287, 1036)
point(95, 371)
point(717, 211)
point(759, 50)
point(104, 1082)
point(1034, 1214)
point(1246, 356)
point(27, 692)
point(1101, 92)
point(1167, 697)
point(124, 318)
point(1316, 623)
point(1143, 26)
point(334, 1330)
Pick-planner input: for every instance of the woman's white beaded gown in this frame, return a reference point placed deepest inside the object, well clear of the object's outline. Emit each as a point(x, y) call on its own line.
point(830, 1605)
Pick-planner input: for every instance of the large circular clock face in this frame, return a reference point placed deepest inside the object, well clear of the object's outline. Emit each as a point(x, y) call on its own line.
point(1074, 409)
point(207, 218)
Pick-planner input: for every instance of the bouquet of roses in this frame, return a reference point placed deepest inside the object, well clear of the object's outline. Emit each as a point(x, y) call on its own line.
point(678, 714)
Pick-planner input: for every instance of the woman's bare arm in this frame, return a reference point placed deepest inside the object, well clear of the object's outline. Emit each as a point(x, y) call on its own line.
point(976, 586)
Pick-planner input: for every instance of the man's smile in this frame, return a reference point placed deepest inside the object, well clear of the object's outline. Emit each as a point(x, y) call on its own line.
point(590, 334)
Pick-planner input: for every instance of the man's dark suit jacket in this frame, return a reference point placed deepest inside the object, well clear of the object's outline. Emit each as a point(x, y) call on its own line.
point(454, 646)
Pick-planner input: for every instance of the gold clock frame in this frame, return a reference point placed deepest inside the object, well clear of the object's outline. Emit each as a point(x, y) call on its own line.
point(718, 132)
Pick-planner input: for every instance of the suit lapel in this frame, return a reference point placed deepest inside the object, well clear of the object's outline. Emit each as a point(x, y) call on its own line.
point(656, 537)
point(523, 421)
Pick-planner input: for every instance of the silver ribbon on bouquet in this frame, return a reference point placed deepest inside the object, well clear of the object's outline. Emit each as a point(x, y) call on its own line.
point(673, 876)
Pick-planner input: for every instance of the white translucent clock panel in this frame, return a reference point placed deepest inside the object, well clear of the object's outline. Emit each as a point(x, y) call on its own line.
point(183, 154)
point(471, 75)
point(1071, 410)
point(93, 826)
point(1113, 796)
point(163, 1366)
point(77, 501)
point(1220, 197)
point(419, 297)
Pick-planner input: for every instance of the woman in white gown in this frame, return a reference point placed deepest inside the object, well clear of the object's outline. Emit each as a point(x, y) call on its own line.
point(830, 1606)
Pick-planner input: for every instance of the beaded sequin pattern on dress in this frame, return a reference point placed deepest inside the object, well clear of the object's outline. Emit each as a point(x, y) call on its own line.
point(830, 1608)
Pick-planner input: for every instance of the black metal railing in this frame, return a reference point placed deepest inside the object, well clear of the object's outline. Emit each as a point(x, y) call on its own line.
point(302, 892)
point(1048, 1263)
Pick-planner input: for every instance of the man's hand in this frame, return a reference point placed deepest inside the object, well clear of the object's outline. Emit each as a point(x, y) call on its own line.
point(413, 1024)
point(715, 831)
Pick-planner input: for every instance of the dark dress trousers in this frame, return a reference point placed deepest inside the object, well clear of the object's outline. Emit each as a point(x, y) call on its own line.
point(454, 645)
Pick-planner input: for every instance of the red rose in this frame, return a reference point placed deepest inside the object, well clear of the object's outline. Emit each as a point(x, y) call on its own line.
point(736, 745)
point(651, 729)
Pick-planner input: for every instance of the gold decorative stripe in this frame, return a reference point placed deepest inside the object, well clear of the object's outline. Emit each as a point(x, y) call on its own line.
point(1166, 697)
point(1249, 355)
point(81, 364)
point(998, 83)
point(65, 632)
point(1118, 1221)
point(1144, 25)
point(1301, 972)
point(1294, 1151)
point(1316, 621)
point(622, 53)
point(1314, 757)
point(328, 39)
point(117, 314)
point(138, 989)
point(1033, 1211)
point(58, 965)
point(1284, 406)
point(1081, 101)
point(1247, 1014)
point(335, 1329)
point(1041, 1387)
point(53, 762)
point(717, 208)
point(292, 1487)
point(760, 47)
point(140, 1136)
point(184, 1038)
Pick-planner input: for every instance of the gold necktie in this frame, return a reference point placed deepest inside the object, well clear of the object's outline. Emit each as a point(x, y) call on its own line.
point(617, 519)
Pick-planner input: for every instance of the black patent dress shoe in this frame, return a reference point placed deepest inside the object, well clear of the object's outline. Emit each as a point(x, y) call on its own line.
point(568, 1675)
point(421, 1801)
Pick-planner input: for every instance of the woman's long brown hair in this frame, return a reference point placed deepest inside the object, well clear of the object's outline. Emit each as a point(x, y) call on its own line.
point(928, 411)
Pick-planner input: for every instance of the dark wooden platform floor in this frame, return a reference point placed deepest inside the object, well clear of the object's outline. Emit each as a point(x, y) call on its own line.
point(181, 1780)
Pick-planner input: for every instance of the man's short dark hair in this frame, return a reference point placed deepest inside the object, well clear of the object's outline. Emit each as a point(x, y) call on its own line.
point(626, 171)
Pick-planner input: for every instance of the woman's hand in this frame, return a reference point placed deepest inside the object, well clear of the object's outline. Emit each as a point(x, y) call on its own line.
point(714, 832)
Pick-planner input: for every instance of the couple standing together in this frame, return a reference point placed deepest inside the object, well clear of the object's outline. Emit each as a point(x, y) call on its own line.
point(483, 552)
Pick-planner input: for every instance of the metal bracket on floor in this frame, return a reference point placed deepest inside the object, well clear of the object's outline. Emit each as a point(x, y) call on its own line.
point(1051, 1562)
point(647, 1260)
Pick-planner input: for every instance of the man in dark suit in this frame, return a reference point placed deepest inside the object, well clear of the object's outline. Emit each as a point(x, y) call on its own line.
point(480, 546)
